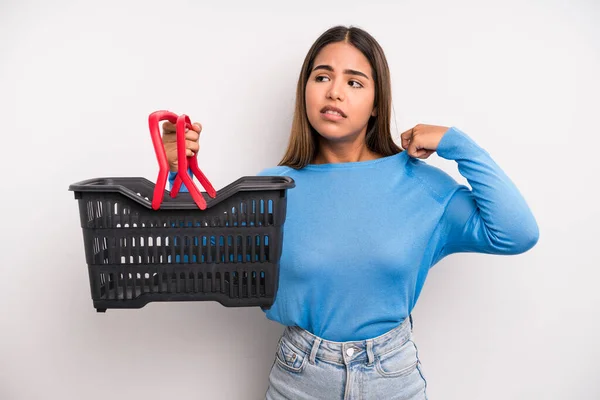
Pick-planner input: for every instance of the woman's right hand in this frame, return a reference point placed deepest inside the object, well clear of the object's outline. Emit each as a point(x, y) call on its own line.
point(169, 138)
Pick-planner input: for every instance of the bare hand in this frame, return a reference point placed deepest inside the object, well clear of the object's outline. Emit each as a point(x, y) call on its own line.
point(422, 140)
point(170, 142)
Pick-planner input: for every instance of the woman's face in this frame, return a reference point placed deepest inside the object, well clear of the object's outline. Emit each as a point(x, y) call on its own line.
point(341, 78)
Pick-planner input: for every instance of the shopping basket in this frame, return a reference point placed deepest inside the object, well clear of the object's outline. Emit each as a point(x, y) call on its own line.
point(144, 243)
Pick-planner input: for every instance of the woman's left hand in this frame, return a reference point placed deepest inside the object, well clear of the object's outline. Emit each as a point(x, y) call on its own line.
point(422, 140)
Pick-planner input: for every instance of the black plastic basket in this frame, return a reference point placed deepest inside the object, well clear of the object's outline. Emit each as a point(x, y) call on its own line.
point(228, 252)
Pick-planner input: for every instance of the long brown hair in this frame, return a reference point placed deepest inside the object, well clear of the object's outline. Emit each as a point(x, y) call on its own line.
point(303, 144)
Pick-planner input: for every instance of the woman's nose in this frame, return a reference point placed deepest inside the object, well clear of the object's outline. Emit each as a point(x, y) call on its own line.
point(335, 92)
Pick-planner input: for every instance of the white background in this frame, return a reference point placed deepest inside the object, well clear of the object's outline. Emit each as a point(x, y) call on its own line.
point(78, 79)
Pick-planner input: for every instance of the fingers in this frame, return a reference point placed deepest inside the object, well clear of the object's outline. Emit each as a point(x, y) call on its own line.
point(192, 135)
point(412, 143)
point(420, 153)
point(196, 126)
point(191, 139)
point(414, 149)
point(168, 127)
point(406, 138)
point(192, 145)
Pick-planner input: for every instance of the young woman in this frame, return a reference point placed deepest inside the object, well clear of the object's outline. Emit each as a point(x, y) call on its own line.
point(366, 222)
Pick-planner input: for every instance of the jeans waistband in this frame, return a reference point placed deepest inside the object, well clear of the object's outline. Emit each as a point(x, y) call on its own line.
point(353, 351)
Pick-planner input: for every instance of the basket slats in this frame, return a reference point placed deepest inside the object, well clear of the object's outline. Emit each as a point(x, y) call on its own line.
point(227, 253)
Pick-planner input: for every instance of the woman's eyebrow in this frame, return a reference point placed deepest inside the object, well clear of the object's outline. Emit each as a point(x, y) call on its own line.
point(346, 71)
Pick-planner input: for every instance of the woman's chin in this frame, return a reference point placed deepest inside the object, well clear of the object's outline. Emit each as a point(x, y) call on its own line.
point(336, 136)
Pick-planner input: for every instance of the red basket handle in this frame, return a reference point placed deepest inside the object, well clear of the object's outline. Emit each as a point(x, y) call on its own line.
point(182, 122)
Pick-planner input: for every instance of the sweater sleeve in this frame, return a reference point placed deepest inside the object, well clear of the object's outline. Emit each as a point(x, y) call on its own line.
point(492, 217)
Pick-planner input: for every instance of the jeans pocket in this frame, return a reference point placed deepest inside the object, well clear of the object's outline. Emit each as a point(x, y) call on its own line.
point(399, 362)
point(289, 357)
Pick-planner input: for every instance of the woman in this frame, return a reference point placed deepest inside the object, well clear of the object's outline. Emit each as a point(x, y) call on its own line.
point(365, 223)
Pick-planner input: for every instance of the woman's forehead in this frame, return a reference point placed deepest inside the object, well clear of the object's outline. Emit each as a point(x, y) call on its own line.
point(342, 56)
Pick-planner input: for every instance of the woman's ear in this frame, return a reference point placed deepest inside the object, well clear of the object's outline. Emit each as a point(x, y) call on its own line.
point(374, 112)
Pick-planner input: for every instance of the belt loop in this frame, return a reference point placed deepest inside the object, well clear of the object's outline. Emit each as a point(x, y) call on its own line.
point(370, 356)
point(313, 351)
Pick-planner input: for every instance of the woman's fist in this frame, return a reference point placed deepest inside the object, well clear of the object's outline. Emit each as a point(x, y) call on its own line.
point(170, 142)
point(422, 140)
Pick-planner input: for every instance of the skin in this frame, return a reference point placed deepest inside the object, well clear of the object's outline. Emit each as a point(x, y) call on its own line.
point(341, 77)
point(170, 142)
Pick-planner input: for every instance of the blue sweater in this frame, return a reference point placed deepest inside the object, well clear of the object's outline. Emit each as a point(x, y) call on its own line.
point(360, 237)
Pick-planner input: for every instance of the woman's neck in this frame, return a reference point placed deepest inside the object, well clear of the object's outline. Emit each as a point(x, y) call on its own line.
point(333, 153)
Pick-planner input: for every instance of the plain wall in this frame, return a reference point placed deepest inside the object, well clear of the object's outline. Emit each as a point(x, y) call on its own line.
point(78, 80)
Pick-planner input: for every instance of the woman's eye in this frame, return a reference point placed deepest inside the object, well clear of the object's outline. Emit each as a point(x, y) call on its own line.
point(323, 78)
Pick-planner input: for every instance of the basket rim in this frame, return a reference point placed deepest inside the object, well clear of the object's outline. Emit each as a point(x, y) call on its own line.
point(184, 200)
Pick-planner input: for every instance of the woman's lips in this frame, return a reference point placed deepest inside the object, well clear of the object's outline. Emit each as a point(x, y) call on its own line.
point(333, 108)
point(330, 116)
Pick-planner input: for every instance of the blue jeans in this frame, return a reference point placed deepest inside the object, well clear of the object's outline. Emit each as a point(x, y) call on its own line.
point(386, 367)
